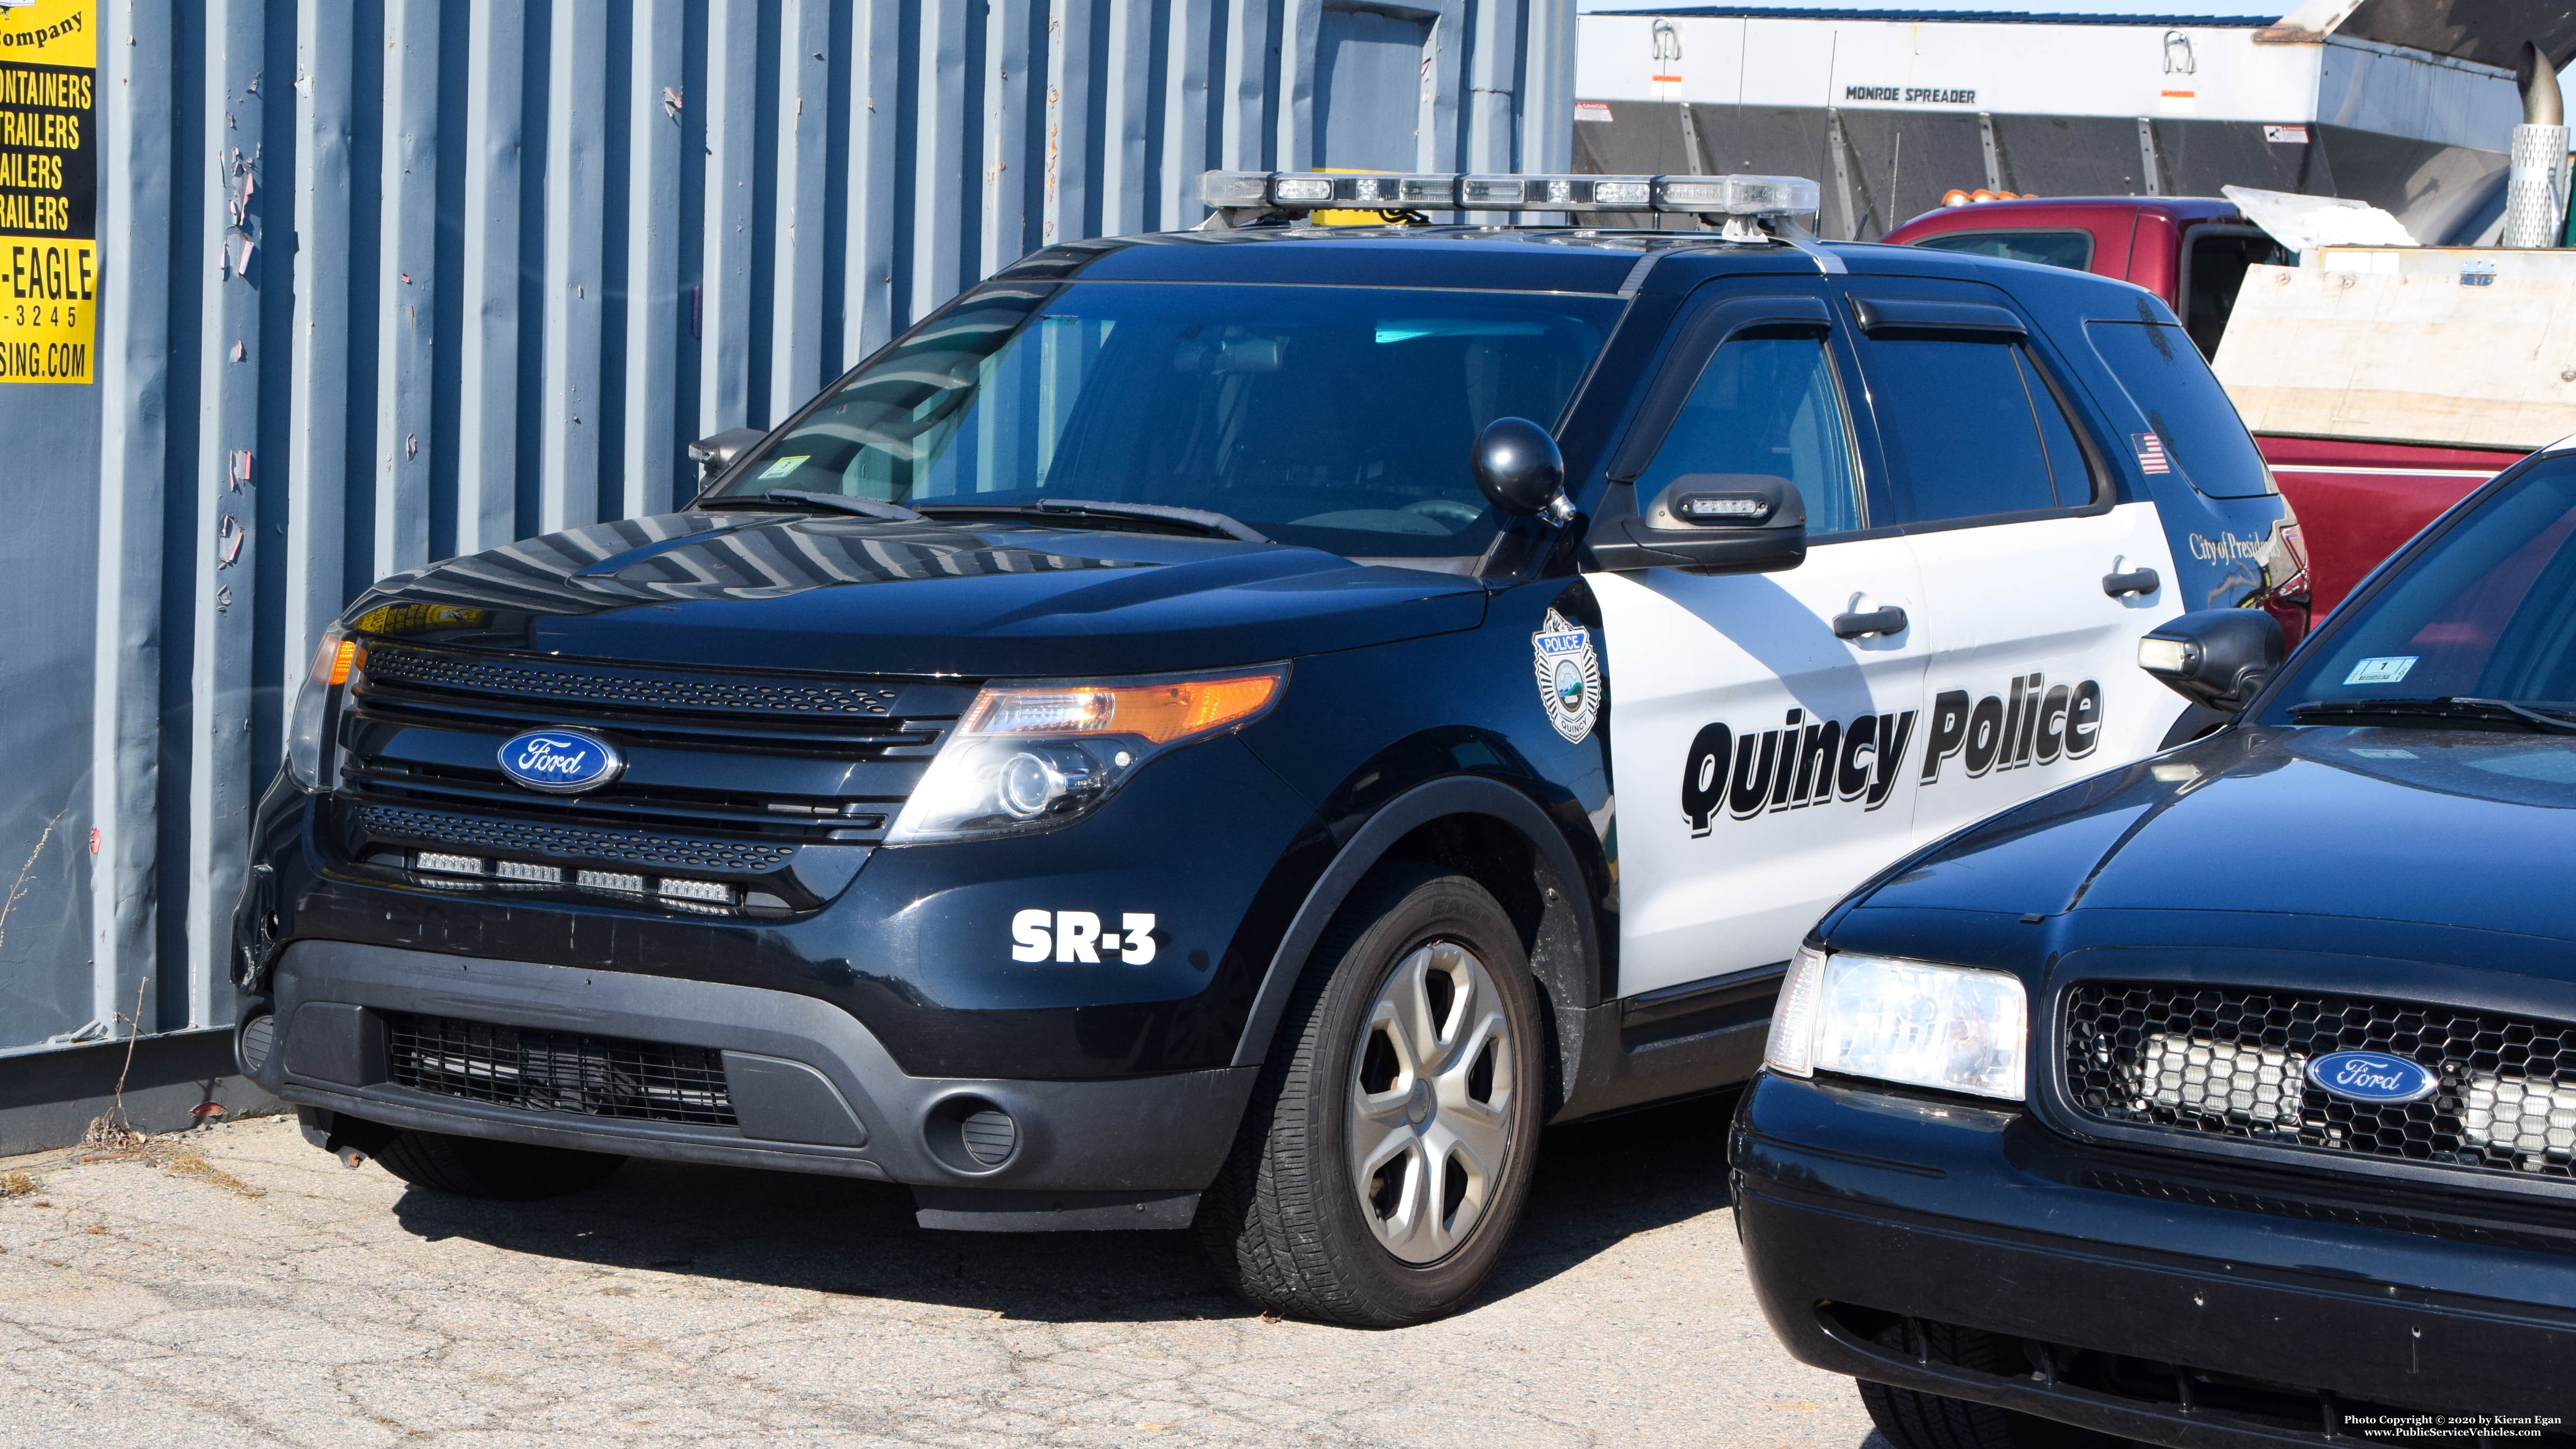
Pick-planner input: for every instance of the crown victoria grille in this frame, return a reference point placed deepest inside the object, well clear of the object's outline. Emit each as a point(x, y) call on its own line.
point(551, 1071)
point(2228, 1063)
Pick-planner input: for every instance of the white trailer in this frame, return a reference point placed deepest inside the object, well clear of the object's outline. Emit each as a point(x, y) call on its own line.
point(2406, 104)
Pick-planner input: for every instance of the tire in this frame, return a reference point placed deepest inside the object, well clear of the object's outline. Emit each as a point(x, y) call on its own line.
point(480, 1167)
point(1912, 1419)
point(1372, 1184)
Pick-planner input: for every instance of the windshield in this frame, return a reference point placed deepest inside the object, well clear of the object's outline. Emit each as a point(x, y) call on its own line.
point(1337, 417)
point(2070, 249)
point(2487, 612)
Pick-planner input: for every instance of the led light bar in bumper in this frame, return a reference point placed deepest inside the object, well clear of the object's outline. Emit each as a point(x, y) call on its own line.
point(1303, 191)
point(2224, 1080)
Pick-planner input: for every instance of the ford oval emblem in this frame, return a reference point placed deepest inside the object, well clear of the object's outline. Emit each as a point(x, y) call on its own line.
point(2373, 1077)
point(561, 762)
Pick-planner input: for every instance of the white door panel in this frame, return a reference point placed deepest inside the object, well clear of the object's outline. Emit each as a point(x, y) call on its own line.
point(1764, 766)
point(2037, 681)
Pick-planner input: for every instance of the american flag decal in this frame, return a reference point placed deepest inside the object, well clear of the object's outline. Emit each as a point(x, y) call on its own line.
point(2151, 453)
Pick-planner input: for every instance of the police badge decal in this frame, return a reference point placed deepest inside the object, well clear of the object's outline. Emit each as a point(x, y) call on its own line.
point(1569, 675)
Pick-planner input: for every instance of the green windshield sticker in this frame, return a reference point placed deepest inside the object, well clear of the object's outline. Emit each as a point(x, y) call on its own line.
point(783, 467)
point(2387, 670)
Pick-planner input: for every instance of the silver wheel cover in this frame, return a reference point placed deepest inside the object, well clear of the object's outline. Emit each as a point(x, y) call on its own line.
point(1429, 1125)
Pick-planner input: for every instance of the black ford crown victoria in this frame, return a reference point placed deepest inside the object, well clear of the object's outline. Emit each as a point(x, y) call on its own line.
point(1138, 752)
point(2231, 1096)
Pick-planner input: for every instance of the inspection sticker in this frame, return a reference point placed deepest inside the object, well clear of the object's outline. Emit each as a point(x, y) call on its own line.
point(49, 265)
point(2381, 671)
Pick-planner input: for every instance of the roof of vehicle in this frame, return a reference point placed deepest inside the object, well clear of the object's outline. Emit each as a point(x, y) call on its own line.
point(1544, 259)
point(2059, 212)
point(1943, 17)
point(1550, 259)
point(2044, 211)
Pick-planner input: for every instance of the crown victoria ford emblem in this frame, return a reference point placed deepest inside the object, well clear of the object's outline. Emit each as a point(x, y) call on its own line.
point(2373, 1077)
point(561, 762)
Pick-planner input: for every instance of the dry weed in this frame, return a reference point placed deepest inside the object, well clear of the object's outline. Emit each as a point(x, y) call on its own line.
point(16, 1184)
point(193, 1164)
point(111, 1138)
point(160, 1152)
point(110, 1135)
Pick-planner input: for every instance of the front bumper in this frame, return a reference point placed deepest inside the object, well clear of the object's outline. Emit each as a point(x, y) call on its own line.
point(811, 1088)
point(2152, 1300)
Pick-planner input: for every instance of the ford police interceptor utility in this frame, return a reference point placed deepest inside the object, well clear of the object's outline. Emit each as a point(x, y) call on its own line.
point(1240, 728)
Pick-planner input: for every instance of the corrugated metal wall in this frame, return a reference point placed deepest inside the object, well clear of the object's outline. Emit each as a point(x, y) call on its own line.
point(388, 280)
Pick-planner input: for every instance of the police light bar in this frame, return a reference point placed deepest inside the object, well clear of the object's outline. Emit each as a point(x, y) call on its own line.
point(1298, 192)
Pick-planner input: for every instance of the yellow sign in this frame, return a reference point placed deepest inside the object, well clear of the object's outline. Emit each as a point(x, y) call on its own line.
point(50, 278)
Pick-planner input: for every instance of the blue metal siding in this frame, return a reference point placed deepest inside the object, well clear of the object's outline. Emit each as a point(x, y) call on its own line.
point(505, 258)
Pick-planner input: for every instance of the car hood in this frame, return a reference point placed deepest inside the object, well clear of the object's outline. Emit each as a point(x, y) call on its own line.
point(2471, 829)
point(832, 593)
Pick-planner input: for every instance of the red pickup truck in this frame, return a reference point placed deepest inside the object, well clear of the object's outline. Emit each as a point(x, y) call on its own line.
point(2357, 500)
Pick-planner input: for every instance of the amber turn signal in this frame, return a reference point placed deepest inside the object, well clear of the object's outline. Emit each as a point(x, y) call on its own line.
point(1159, 712)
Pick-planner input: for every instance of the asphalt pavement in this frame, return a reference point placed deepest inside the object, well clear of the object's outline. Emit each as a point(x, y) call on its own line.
point(248, 1290)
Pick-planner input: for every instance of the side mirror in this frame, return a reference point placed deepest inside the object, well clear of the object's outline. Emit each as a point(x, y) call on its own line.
point(1711, 522)
point(2214, 657)
point(1519, 470)
point(715, 454)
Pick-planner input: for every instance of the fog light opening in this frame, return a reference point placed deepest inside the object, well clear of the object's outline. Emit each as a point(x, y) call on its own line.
point(972, 1135)
point(989, 1136)
point(257, 1039)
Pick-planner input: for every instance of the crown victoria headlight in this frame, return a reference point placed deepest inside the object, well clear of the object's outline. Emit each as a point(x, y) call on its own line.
point(1034, 756)
point(1925, 1025)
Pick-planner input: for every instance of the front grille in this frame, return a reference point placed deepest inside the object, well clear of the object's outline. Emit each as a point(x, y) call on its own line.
point(570, 841)
point(772, 758)
point(2228, 1063)
point(551, 1071)
point(2227, 1405)
point(2299, 1209)
point(626, 689)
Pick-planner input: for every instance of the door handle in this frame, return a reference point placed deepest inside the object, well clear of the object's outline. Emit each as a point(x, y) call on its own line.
point(2135, 581)
point(1889, 620)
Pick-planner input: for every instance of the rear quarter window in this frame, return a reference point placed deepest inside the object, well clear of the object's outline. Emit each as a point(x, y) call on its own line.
point(2072, 250)
point(2182, 405)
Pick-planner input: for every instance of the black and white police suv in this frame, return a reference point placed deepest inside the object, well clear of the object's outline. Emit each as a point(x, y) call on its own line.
point(1240, 728)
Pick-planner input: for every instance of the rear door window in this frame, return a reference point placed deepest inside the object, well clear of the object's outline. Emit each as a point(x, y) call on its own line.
point(2184, 422)
point(1973, 429)
point(2072, 250)
point(2213, 272)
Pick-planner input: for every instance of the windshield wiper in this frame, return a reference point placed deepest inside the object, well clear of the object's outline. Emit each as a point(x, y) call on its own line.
point(1205, 520)
point(836, 502)
point(2449, 706)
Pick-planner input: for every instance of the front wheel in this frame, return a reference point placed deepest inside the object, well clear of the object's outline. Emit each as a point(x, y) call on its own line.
point(1390, 1145)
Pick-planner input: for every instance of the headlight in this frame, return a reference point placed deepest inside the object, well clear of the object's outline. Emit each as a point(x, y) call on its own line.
point(338, 657)
point(1946, 1027)
point(1034, 756)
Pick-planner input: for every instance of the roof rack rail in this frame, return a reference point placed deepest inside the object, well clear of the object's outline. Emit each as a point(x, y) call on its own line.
point(1746, 208)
